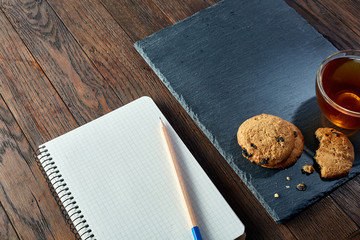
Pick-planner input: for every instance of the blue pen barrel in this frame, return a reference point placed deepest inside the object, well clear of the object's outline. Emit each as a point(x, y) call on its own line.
point(196, 233)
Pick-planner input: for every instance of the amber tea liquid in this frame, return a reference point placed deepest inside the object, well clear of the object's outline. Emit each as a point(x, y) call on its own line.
point(341, 83)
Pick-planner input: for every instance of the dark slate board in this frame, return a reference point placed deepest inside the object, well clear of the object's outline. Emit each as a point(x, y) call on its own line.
point(238, 59)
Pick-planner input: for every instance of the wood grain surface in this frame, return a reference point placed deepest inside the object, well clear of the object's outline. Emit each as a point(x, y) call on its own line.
point(66, 62)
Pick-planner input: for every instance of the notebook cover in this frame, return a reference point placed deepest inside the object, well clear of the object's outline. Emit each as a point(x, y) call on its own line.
point(238, 59)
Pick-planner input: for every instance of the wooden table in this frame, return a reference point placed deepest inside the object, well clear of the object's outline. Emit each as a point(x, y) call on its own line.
point(66, 62)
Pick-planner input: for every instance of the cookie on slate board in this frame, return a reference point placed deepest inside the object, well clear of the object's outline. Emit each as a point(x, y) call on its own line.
point(266, 139)
point(335, 154)
point(296, 152)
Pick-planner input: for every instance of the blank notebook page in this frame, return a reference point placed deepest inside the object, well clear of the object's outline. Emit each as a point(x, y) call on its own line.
point(120, 173)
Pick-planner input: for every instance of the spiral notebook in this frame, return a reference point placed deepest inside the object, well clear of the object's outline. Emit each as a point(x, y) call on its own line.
point(115, 179)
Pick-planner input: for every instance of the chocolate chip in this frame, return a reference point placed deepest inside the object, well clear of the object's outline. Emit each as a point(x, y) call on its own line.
point(253, 145)
point(264, 161)
point(295, 134)
point(301, 187)
point(245, 153)
point(280, 139)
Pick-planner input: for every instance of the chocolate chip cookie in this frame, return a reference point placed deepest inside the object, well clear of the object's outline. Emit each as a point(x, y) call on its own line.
point(266, 139)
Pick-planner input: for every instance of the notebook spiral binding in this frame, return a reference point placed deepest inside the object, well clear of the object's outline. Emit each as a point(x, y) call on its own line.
point(69, 209)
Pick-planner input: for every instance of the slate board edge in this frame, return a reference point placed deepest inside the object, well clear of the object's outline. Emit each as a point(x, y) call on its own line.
point(209, 135)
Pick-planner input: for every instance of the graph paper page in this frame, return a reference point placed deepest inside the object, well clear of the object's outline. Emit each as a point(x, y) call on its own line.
point(119, 171)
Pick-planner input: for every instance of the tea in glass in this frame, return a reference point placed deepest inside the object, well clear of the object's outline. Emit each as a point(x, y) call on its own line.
point(338, 89)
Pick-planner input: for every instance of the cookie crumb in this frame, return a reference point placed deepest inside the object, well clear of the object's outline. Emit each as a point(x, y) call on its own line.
point(301, 187)
point(276, 195)
point(287, 186)
point(288, 178)
point(307, 169)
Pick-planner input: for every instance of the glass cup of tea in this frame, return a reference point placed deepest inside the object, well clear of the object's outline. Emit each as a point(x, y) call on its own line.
point(338, 88)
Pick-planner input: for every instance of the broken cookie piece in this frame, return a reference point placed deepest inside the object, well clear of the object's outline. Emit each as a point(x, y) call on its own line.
point(335, 154)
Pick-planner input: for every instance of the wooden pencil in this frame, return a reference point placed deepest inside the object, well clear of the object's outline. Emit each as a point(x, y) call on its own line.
point(195, 229)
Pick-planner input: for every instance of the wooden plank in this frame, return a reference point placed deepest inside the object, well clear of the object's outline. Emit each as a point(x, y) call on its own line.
point(178, 10)
point(24, 193)
point(138, 18)
point(27, 91)
point(111, 51)
point(130, 88)
point(347, 12)
point(107, 45)
point(76, 80)
point(43, 116)
point(323, 220)
point(347, 197)
point(94, 21)
point(7, 231)
point(354, 235)
point(327, 23)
